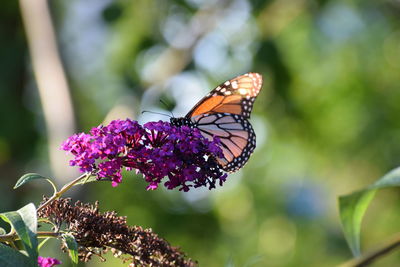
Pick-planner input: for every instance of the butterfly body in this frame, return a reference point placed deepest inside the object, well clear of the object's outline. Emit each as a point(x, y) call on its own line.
point(224, 113)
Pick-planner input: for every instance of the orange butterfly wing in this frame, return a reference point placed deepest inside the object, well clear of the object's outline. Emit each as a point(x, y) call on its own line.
point(235, 96)
point(224, 113)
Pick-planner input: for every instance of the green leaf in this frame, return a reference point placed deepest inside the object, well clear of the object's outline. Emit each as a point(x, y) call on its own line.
point(72, 247)
point(32, 176)
point(27, 178)
point(24, 222)
point(10, 257)
point(352, 208)
point(391, 179)
point(2, 231)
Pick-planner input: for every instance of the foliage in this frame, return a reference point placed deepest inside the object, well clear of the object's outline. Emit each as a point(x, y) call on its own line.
point(83, 231)
point(352, 207)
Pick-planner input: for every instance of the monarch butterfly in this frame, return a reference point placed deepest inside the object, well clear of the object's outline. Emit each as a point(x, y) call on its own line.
point(224, 113)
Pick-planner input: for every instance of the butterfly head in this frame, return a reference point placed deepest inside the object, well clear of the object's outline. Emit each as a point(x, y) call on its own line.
point(175, 121)
point(181, 122)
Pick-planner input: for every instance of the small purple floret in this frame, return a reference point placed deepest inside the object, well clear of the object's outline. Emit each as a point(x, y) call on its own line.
point(47, 262)
point(156, 150)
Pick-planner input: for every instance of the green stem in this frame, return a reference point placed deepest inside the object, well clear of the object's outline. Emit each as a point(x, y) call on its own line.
point(53, 185)
point(46, 234)
point(12, 244)
point(10, 238)
point(371, 256)
point(63, 190)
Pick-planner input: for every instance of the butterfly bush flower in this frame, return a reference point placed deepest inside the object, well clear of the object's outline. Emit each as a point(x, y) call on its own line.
point(47, 262)
point(156, 150)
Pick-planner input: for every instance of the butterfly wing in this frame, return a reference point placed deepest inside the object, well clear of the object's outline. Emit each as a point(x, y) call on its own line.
point(223, 113)
point(237, 136)
point(235, 96)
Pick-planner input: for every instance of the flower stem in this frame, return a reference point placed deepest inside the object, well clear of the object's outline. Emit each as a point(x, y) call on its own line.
point(45, 234)
point(64, 189)
point(10, 238)
point(371, 256)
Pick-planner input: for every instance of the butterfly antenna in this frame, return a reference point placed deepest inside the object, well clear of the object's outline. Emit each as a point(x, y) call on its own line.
point(153, 112)
point(165, 104)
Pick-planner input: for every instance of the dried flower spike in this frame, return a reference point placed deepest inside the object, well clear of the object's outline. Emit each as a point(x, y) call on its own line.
point(96, 233)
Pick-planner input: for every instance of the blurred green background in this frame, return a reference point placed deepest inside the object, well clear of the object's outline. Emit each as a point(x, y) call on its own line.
point(327, 118)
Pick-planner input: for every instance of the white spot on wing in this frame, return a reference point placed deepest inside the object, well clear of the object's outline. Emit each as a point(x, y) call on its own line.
point(242, 91)
point(235, 85)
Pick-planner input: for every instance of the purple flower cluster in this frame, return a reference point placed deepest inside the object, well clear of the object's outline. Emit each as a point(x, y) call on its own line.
point(156, 150)
point(47, 262)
